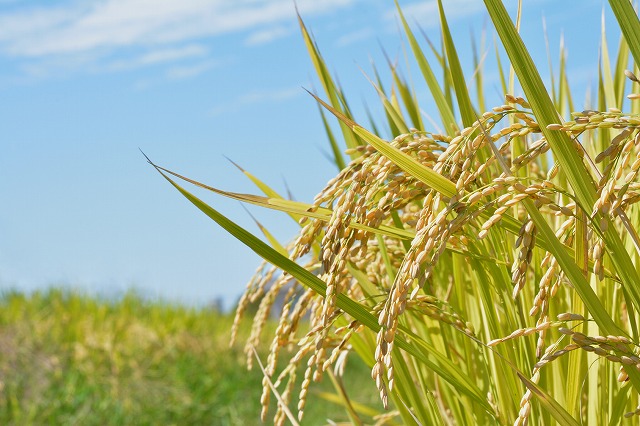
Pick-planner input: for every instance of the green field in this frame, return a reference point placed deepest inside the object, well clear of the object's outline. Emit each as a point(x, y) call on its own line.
point(70, 359)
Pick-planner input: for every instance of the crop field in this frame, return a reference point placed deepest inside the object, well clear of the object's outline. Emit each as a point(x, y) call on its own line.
point(70, 359)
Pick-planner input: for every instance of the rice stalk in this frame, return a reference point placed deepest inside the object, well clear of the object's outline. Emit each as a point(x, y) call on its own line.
point(486, 273)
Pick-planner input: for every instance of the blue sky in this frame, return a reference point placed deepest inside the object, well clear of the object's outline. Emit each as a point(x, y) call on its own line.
point(84, 84)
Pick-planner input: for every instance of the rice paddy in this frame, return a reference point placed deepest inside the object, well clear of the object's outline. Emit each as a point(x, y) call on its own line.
point(69, 359)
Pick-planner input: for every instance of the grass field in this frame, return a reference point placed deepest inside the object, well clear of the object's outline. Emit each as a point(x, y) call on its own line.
point(70, 359)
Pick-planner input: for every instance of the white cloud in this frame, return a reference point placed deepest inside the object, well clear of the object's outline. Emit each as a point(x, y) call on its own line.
point(107, 24)
point(266, 36)
point(354, 37)
point(164, 55)
point(59, 65)
point(118, 35)
point(188, 71)
point(256, 97)
point(159, 56)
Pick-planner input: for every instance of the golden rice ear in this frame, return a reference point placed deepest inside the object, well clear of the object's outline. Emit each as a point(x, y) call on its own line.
point(427, 245)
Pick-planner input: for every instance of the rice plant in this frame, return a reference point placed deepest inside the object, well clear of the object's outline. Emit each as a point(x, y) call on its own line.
point(70, 359)
point(487, 273)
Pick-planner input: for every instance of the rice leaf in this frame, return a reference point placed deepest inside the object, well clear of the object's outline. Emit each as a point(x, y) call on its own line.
point(457, 77)
point(629, 24)
point(446, 114)
point(551, 405)
point(328, 84)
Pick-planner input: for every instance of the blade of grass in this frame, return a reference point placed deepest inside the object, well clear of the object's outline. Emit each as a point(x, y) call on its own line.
point(565, 101)
point(404, 161)
point(629, 24)
point(338, 158)
point(620, 81)
point(457, 77)
point(446, 114)
point(609, 90)
point(478, 64)
point(393, 112)
point(552, 78)
point(327, 82)
point(294, 207)
point(284, 406)
point(357, 407)
point(268, 235)
point(408, 96)
point(298, 208)
point(344, 399)
point(551, 405)
point(620, 402)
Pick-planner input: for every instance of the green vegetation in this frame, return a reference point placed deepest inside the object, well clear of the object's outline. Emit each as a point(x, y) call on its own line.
point(69, 359)
point(488, 273)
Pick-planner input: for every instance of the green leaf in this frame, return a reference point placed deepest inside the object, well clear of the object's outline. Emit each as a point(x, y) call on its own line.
point(408, 98)
point(446, 114)
point(338, 158)
point(394, 113)
point(344, 400)
point(605, 64)
point(296, 208)
point(457, 76)
point(329, 86)
point(338, 400)
point(269, 236)
point(629, 24)
point(551, 405)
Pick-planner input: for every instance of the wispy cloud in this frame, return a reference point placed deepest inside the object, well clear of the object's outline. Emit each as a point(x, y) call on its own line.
point(354, 37)
point(189, 71)
point(120, 35)
point(257, 97)
point(159, 56)
point(266, 36)
point(80, 27)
